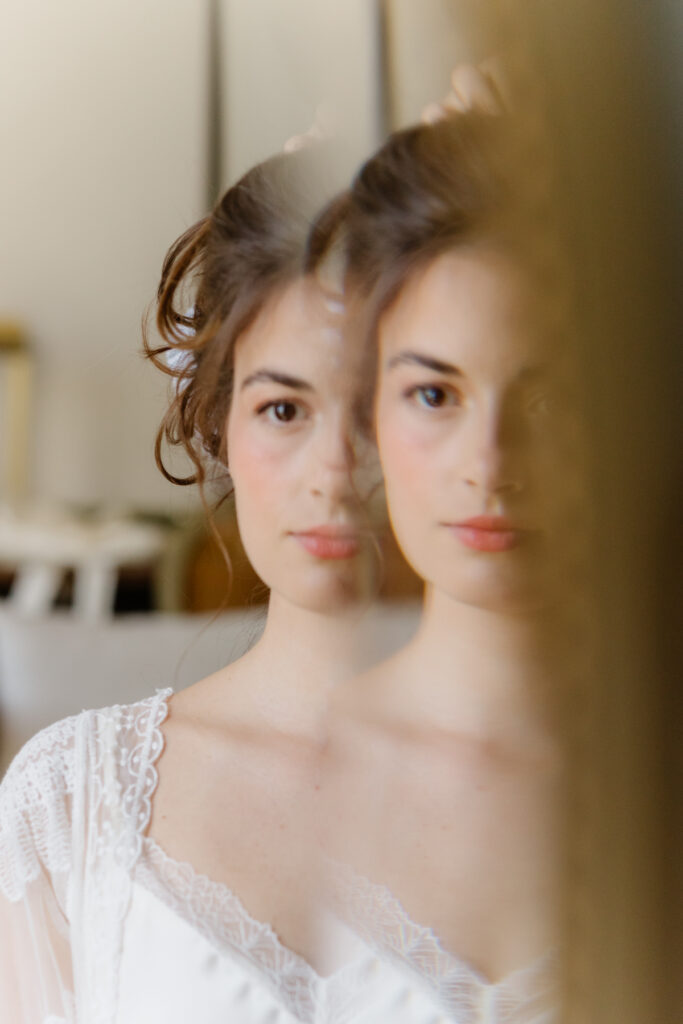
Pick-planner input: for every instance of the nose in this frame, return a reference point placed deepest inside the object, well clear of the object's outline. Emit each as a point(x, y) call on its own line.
point(334, 458)
point(491, 461)
point(488, 477)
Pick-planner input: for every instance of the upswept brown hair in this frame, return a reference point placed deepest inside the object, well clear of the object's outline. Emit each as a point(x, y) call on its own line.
point(428, 189)
point(215, 280)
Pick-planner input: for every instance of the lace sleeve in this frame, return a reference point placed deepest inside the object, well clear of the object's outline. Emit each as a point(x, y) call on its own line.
point(36, 799)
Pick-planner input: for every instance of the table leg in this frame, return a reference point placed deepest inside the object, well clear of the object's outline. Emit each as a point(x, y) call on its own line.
point(34, 588)
point(95, 591)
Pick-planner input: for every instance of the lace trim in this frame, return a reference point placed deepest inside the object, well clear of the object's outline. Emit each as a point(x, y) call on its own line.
point(123, 745)
point(138, 743)
point(216, 911)
point(211, 907)
point(219, 915)
point(523, 996)
point(35, 808)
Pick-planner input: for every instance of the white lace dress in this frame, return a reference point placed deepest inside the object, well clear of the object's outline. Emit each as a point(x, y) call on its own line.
point(99, 926)
point(526, 996)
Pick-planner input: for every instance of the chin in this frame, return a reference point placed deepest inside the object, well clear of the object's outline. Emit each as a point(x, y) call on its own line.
point(508, 601)
point(511, 588)
point(328, 589)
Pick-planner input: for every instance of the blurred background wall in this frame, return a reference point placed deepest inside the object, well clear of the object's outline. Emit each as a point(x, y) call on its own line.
point(103, 139)
point(280, 62)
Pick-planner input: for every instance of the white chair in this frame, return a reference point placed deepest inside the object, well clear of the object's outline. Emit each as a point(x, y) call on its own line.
point(42, 544)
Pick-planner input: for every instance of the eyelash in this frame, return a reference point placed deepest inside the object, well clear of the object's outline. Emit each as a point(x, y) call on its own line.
point(267, 411)
point(417, 395)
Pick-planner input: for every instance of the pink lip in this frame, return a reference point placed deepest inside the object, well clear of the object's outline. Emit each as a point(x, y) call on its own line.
point(329, 541)
point(488, 533)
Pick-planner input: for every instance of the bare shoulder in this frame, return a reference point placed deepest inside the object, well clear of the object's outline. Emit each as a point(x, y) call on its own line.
point(198, 734)
point(193, 713)
point(226, 775)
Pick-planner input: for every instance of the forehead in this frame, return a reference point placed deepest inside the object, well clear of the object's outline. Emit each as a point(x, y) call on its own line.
point(299, 328)
point(473, 307)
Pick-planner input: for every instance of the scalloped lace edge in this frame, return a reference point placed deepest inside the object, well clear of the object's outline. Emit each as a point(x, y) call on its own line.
point(461, 988)
point(217, 912)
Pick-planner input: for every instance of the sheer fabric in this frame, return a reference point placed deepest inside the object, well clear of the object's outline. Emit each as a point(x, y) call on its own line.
point(73, 806)
point(99, 926)
point(526, 996)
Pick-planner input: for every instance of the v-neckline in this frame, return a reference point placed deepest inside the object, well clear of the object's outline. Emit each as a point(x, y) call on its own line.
point(459, 987)
point(381, 920)
point(216, 911)
point(204, 893)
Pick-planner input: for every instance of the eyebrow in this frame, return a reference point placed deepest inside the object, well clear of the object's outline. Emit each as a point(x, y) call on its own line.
point(275, 377)
point(429, 362)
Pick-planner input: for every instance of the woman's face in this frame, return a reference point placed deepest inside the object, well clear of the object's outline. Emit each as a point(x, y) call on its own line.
point(302, 478)
point(463, 415)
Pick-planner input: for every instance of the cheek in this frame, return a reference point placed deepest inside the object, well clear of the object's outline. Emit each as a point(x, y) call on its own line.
point(410, 474)
point(254, 467)
point(401, 454)
point(254, 451)
point(407, 449)
point(258, 498)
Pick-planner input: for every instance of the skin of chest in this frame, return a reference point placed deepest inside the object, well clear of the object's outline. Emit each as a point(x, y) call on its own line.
point(239, 805)
point(461, 833)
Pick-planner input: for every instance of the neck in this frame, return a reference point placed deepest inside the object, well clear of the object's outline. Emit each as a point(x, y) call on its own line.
point(484, 672)
point(301, 656)
point(318, 649)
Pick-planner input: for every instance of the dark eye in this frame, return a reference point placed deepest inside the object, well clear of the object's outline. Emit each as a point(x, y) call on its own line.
point(432, 396)
point(281, 412)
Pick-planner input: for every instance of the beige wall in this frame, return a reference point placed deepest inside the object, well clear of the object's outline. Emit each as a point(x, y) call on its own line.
point(103, 122)
point(426, 39)
point(310, 52)
point(103, 149)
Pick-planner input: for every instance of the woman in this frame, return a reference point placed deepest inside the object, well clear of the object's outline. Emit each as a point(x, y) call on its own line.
point(158, 861)
point(444, 771)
